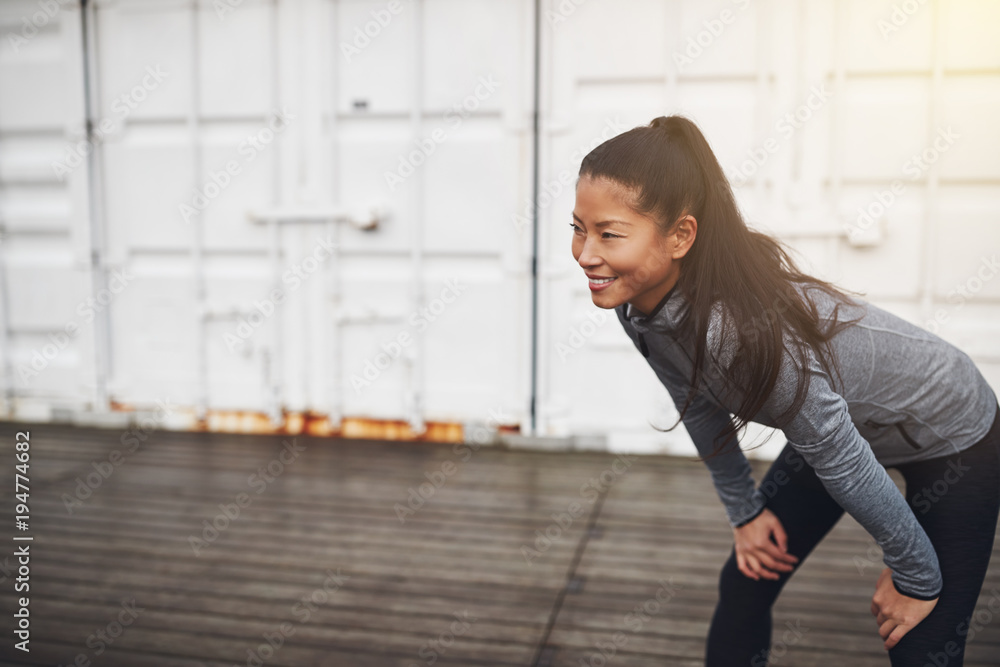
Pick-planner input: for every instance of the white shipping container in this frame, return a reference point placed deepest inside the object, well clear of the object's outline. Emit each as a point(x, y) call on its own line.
point(295, 214)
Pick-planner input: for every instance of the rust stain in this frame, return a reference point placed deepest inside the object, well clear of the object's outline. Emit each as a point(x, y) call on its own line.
point(238, 421)
point(396, 429)
point(320, 425)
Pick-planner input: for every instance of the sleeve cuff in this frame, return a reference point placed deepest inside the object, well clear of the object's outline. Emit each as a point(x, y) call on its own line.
point(748, 510)
point(749, 519)
point(914, 596)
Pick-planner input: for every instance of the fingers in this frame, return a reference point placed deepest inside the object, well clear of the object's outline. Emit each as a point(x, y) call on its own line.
point(895, 636)
point(780, 537)
point(741, 563)
point(886, 629)
point(755, 569)
point(773, 563)
point(757, 563)
point(758, 569)
point(896, 614)
point(751, 568)
point(765, 570)
point(761, 549)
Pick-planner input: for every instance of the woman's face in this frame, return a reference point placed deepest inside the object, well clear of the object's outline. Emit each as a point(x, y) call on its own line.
point(623, 253)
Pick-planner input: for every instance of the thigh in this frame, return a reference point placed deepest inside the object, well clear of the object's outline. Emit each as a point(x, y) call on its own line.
point(800, 501)
point(797, 497)
point(956, 498)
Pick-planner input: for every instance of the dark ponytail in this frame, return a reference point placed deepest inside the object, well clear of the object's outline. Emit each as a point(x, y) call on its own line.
point(670, 171)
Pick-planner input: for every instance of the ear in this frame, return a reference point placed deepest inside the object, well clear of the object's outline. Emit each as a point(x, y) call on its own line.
point(685, 231)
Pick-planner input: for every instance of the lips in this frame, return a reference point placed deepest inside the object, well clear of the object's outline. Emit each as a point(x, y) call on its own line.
point(598, 283)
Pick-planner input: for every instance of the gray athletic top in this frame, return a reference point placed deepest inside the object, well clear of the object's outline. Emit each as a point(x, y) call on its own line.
point(906, 395)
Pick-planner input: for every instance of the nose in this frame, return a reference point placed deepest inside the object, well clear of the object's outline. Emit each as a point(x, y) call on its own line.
point(588, 258)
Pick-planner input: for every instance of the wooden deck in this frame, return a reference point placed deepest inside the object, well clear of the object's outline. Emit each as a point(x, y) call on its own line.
point(318, 560)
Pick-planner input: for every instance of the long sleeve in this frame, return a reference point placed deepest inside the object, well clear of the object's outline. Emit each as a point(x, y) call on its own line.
point(730, 470)
point(824, 434)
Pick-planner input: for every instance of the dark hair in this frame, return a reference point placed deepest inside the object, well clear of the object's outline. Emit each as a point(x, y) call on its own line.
point(667, 170)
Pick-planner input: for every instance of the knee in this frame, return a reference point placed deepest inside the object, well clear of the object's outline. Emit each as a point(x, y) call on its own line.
point(740, 591)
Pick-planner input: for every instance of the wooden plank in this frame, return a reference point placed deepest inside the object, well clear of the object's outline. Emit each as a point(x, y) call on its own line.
point(333, 508)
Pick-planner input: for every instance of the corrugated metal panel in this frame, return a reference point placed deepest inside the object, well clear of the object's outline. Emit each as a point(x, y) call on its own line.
point(410, 320)
point(417, 115)
point(869, 85)
point(49, 305)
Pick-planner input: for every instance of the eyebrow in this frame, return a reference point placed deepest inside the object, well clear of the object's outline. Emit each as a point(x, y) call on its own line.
point(604, 223)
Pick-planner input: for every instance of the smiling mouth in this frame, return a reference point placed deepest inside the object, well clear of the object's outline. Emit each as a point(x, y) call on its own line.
point(599, 284)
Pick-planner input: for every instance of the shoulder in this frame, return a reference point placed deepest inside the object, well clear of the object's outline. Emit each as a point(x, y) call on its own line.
point(727, 339)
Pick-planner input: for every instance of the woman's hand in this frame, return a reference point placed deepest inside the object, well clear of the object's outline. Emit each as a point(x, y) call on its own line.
point(757, 555)
point(895, 613)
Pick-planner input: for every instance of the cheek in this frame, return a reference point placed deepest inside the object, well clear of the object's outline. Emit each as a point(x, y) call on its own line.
point(624, 257)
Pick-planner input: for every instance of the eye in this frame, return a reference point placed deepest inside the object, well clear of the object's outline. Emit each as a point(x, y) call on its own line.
point(604, 235)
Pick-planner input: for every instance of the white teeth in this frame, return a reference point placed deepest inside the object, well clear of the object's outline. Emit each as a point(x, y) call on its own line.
point(600, 281)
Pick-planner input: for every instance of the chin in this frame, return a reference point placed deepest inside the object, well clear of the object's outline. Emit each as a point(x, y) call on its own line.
point(605, 301)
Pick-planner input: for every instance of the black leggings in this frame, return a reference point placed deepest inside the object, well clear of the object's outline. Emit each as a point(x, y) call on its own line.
point(959, 514)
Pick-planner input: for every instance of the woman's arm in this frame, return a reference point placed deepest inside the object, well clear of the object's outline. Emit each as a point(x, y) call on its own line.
point(759, 539)
point(730, 470)
point(823, 433)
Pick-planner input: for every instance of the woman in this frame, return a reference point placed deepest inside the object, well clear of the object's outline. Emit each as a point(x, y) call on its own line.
point(737, 334)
